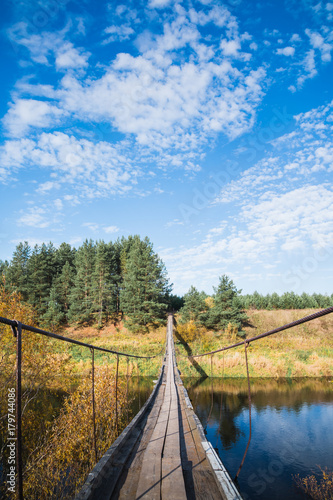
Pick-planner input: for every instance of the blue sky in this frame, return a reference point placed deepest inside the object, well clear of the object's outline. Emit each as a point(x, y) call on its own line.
point(206, 126)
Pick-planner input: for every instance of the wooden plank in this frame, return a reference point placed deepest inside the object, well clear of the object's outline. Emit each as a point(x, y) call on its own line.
point(161, 474)
point(173, 486)
point(128, 483)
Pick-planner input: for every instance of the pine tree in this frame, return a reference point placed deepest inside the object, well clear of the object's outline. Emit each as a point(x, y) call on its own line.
point(145, 286)
point(65, 253)
point(63, 284)
point(194, 306)
point(117, 274)
point(40, 276)
point(54, 315)
point(103, 298)
point(81, 296)
point(227, 307)
point(175, 302)
point(17, 272)
point(4, 265)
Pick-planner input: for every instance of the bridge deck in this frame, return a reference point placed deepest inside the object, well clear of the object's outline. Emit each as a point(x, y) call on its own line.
point(166, 456)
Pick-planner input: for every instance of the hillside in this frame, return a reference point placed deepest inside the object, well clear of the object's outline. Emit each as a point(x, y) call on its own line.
point(303, 351)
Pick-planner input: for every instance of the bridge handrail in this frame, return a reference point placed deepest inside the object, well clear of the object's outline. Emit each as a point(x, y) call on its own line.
point(246, 343)
point(17, 328)
point(14, 323)
point(318, 314)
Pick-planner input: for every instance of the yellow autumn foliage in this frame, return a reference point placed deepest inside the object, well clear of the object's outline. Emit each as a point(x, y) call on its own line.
point(318, 489)
point(60, 467)
point(44, 364)
point(187, 332)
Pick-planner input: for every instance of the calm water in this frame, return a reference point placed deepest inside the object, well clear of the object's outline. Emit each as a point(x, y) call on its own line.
point(292, 430)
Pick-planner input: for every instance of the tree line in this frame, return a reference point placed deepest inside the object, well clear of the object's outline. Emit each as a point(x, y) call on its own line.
point(102, 281)
point(95, 283)
point(288, 300)
point(224, 310)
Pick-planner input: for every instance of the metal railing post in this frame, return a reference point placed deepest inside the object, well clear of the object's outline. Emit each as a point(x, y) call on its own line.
point(93, 400)
point(127, 378)
point(17, 331)
point(249, 391)
point(117, 368)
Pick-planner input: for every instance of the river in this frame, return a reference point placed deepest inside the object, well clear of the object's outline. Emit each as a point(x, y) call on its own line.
point(292, 422)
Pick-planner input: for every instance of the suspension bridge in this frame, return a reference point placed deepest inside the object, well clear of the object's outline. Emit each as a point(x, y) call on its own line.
point(163, 453)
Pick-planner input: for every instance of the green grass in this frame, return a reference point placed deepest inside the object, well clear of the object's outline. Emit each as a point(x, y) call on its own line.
point(303, 351)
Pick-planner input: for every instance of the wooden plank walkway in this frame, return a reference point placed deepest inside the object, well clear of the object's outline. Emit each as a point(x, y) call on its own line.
point(162, 454)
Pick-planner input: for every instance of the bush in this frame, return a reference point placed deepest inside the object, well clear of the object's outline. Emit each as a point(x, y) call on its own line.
point(188, 331)
point(61, 465)
point(317, 489)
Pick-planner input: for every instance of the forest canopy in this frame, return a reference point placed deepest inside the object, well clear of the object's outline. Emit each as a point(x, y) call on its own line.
point(126, 279)
point(96, 283)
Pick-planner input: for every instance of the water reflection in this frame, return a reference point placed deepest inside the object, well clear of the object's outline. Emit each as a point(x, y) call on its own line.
point(291, 429)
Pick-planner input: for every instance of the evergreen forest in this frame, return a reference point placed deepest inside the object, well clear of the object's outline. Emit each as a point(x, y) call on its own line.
point(96, 283)
point(125, 279)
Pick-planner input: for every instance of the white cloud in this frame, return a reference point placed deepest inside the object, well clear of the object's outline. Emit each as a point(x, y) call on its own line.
point(47, 46)
point(294, 222)
point(27, 113)
point(175, 222)
point(165, 96)
point(286, 51)
point(158, 4)
point(309, 66)
point(34, 217)
point(302, 215)
point(47, 186)
point(67, 56)
point(91, 169)
point(231, 47)
point(318, 42)
point(91, 225)
point(295, 38)
point(58, 204)
point(120, 33)
point(111, 229)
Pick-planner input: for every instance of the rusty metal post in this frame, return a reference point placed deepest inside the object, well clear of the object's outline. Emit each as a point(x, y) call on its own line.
point(93, 400)
point(127, 377)
point(220, 416)
point(17, 332)
point(117, 368)
point(249, 391)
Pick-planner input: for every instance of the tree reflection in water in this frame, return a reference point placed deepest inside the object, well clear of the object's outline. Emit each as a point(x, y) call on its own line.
point(291, 422)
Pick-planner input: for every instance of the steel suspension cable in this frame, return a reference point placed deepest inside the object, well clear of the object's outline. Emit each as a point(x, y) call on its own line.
point(32, 329)
point(318, 314)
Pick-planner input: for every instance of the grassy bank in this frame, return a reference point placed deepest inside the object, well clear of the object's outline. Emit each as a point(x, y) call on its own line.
point(117, 338)
point(302, 351)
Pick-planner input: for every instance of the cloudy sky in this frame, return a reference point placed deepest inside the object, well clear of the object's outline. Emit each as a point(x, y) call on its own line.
point(205, 125)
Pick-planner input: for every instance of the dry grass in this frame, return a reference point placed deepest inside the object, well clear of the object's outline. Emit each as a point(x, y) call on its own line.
point(117, 338)
point(302, 351)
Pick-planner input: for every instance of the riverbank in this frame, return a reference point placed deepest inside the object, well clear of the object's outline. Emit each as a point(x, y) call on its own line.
point(302, 351)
